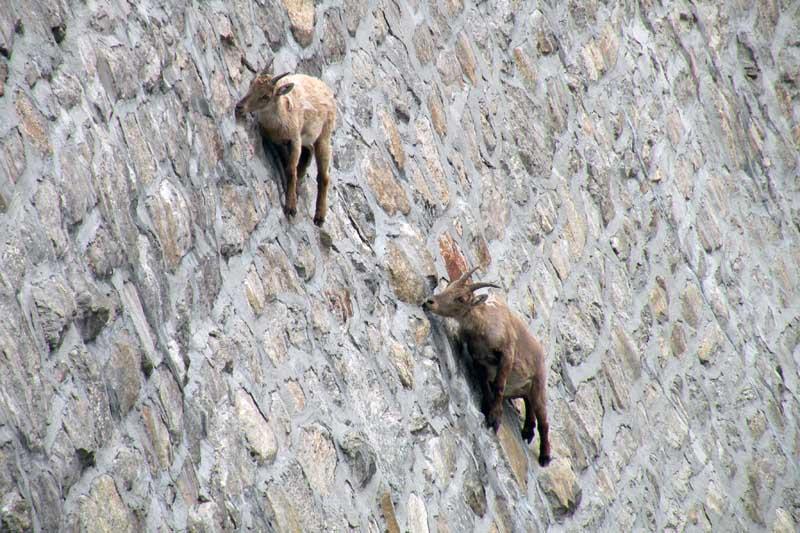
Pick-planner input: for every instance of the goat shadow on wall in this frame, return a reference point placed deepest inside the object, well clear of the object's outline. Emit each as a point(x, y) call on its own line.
point(462, 365)
point(272, 157)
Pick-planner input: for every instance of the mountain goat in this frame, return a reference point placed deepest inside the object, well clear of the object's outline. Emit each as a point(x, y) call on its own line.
point(297, 113)
point(510, 360)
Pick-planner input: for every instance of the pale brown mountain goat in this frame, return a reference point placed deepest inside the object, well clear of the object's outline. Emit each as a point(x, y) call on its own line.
point(297, 113)
point(510, 360)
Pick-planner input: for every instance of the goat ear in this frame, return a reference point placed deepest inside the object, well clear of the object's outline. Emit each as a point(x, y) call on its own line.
point(479, 299)
point(284, 89)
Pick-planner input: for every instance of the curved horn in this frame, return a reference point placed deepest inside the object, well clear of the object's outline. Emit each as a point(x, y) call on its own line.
point(247, 65)
point(268, 66)
point(475, 286)
point(279, 76)
point(465, 276)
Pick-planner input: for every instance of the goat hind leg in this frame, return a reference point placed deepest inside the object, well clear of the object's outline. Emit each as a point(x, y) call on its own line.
point(530, 419)
point(540, 409)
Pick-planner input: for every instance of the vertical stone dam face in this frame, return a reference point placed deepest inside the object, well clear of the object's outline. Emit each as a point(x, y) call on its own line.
point(177, 356)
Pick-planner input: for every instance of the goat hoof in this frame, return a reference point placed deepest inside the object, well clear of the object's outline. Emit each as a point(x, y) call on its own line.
point(527, 436)
point(319, 221)
point(290, 211)
point(544, 460)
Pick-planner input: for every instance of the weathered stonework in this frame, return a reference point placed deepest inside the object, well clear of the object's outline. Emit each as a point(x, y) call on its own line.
point(177, 356)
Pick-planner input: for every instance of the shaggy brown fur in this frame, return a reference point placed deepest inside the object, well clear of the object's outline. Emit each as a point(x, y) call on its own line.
point(511, 361)
point(297, 113)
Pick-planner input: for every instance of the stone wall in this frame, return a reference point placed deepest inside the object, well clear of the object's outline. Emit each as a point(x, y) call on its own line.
point(177, 356)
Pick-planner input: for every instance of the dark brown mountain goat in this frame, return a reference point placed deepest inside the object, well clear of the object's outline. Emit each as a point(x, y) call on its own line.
point(511, 361)
point(297, 113)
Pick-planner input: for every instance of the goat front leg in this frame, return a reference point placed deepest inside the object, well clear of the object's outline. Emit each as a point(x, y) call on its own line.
point(505, 362)
point(322, 153)
point(291, 175)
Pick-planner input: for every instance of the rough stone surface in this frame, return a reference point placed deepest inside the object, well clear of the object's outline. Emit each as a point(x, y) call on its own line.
point(393, 141)
point(3, 76)
point(15, 513)
point(103, 509)
point(33, 124)
point(259, 435)
point(389, 514)
point(405, 277)
point(514, 451)
point(403, 362)
point(175, 355)
point(301, 17)
point(318, 459)
point(560, 484)
point(388, 191)
point(360, 457)
point(417, 514)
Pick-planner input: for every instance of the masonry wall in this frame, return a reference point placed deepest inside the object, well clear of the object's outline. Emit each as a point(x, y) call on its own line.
point(176, 356)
